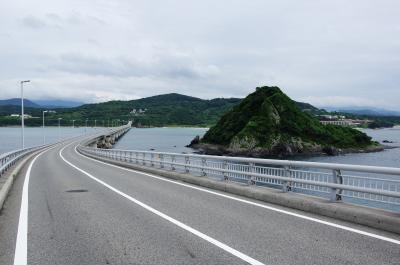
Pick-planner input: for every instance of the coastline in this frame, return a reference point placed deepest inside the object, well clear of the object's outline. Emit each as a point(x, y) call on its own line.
point(212, 149)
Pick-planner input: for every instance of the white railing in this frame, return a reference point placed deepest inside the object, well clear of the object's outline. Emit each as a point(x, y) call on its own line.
point(7, 160)
point(360, 184)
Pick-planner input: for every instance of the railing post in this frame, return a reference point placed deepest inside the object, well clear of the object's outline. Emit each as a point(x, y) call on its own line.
point(203, 165)
point(252, 169)
point(137, 157)
point(287, 185)
point(225, 166)
point(152, 159)
point(161, 157)
point(173, 161)
point(144, 158)
point(336, 194)
point(187, 162)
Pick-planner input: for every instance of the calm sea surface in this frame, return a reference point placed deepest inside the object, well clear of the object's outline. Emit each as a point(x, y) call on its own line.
point(175, 139)
point(10, 137)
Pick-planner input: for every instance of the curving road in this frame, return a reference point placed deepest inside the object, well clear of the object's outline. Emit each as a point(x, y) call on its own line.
point(69, 209)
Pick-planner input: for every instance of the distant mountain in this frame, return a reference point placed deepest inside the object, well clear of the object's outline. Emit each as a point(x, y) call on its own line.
point(58, 103)
point(367, 111)
point(17, 102)
point(162, 110)
point(54, 104)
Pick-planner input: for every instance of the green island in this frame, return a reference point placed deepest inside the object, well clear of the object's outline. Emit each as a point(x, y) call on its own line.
point(268, 123)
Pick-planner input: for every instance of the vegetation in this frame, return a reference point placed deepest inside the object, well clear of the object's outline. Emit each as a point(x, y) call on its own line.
point(269, 121)
point(162, 110)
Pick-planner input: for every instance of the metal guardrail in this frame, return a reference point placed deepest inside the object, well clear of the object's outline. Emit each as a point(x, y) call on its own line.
point(322, 179)
point(7, 160)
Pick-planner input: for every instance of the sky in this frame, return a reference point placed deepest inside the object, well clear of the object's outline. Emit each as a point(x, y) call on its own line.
point(327, 53)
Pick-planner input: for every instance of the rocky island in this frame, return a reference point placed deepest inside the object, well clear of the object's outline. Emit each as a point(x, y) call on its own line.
point(267, 123)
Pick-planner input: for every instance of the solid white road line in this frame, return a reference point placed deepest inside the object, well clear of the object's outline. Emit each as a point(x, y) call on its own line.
point(21, 246)
point(357, 231)
point(209, 239)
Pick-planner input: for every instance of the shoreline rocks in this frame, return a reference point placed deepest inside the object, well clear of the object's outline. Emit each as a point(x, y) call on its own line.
point(281, 151)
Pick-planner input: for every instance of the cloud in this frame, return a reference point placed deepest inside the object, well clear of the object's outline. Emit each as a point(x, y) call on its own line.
point(166, 66)
point(94, 50)
point(33, 22)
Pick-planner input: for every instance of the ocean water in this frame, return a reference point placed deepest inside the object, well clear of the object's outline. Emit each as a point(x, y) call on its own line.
point(387, 158)
point(174, 140)
point(10, 137)
point(171, 140)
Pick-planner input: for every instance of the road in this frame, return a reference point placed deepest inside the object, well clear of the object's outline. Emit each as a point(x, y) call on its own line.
point(76, 210)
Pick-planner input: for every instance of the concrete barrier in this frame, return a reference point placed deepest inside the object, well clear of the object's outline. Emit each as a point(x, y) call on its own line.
point(375, 218)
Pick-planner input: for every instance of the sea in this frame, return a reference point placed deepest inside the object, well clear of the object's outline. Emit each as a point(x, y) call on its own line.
point(174, 140)
point(10, 137)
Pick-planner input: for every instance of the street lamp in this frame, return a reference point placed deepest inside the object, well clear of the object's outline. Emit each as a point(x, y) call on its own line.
point(22, 112)
point(44, 134)
point(86, 125)
point(59, 135)
point(73, 123)
point(95, 123)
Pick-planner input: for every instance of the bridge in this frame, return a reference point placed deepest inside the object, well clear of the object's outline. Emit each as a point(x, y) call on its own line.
point(80, 202)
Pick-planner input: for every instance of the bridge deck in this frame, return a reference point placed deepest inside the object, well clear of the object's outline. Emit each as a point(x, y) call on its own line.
point(94, 213)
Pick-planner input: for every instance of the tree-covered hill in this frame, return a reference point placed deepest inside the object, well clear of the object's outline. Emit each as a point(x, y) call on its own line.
point(162, 110)
point(267, 122)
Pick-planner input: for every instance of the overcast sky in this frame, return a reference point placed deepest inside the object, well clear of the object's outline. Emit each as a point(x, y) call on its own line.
point(328, 53)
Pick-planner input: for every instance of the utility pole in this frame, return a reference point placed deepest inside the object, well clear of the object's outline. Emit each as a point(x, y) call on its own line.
point(59, 133)
point(22, 112)
point(44, 132)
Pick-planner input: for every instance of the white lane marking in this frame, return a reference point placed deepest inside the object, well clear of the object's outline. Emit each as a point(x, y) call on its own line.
point(21, 246)
point(211, 240)
point(384, 238)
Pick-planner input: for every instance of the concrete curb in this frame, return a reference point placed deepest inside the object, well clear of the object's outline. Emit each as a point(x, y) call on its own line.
point(375, 218)
point(6, 187)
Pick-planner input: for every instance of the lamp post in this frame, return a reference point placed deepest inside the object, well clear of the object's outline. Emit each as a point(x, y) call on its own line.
point(44, 134)
point(59, 135)
point(22, 112)
point(86, 125)
point(73, 123)
point(95, 123)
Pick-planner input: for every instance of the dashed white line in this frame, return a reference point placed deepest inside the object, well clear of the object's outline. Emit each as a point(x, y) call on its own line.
point(199, 234)
point(316, 220)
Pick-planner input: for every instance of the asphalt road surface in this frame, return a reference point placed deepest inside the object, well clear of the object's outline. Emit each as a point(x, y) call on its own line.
point(66, 208)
